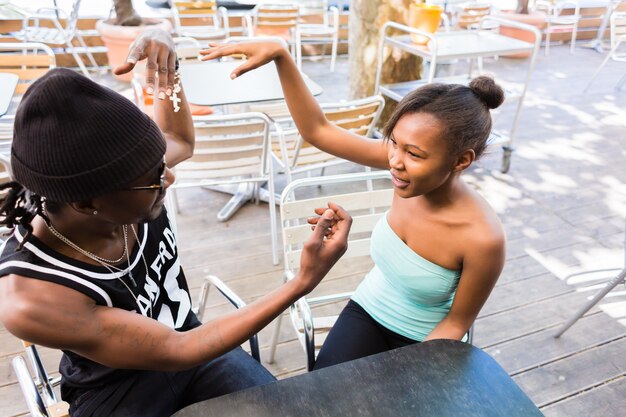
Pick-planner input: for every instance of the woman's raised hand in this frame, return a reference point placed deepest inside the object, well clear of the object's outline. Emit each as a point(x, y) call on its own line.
point(257, 54)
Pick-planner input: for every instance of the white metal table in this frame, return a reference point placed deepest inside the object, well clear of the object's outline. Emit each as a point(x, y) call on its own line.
point(8, 82)
point(209, 84)
point(468, 44)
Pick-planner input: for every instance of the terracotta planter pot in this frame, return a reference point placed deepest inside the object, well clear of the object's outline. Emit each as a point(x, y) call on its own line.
point(537, 19)
point(117, 39)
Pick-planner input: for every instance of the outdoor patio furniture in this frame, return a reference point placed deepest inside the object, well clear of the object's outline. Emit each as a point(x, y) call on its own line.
point(38, 390)
point(324, 32)
point(202, 20)
point(460, 45)
point(618, 35)
point(8, 82)
point(262, 84)
point(279, 20)
point(58, 35)
point(29, 60)
point(559, 22)
point(618, 278)
point(232, 298)
point(232, 153)
point(358, 116)
point(435, 378)
point(469, 15)
point(26, 61)
point(365, 207)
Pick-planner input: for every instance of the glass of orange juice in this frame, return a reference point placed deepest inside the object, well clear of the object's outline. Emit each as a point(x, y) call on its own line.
point(425, 17)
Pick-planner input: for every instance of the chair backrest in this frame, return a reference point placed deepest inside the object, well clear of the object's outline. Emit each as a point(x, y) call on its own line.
point(38, 390)
point(195, 13)
point(228, 146)
point(273, 18)
point(187, 49)
point(317, 9)
point(29, 60)
point(365, 206)
point(618, 29)
point(358, 116)
point(470, 14)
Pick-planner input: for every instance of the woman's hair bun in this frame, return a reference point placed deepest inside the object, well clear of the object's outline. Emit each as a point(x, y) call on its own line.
point(487, 91)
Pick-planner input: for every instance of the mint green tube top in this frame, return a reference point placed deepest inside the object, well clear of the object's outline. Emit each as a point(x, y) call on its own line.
point(404, 292)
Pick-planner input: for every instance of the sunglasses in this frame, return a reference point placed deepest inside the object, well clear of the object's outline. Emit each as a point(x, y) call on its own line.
point(160, 186)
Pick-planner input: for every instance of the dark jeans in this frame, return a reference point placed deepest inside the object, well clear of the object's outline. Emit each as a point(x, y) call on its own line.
point(356, 335)
point(156, 394)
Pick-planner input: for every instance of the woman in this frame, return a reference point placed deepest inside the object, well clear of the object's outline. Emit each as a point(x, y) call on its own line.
point(440, 249)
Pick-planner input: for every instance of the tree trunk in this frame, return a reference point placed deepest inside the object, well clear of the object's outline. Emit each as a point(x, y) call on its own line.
point(126, 14)
point(366, 20)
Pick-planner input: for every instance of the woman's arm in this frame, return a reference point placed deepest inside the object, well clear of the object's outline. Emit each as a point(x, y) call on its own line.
point(157, 47)
point(306, 112)
point(481, 268)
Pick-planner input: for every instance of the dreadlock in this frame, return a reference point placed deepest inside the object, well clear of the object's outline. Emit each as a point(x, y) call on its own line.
point(19, 206)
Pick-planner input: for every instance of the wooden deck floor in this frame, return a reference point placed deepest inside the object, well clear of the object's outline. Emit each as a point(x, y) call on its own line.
point(563, 205)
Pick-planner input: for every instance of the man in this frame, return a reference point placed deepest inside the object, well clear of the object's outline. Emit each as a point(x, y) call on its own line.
point(92, 267)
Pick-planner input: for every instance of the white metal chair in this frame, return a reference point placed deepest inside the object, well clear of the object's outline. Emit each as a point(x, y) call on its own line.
point(618, 36)
point(32, 31)
point(276, 20)
point(326, 31)
point(558, 22)
point(29, 61)
point(618, 278)
point(470, 15)
point(201, 20)
point(232, 150)
point(365, 206)
point(358, 116)
point(38, 391)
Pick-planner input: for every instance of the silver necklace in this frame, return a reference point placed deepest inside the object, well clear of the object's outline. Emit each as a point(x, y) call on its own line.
point(88, 254)
point(112, 269)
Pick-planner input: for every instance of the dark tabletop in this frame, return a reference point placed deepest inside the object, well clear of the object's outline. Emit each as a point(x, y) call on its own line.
point(439, 378)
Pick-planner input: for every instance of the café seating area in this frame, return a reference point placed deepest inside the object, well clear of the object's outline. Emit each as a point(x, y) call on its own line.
point(553, 173)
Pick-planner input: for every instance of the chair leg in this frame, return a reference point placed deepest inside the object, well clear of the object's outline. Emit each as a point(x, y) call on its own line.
point(78, 60)
point(274, 339)
point(573, 44)
point(90, 57)
point(547, 49)
point(333, 54)
point(175, 199)
point(595, 74)
point(581, 312)
point(273, 226)
point(620, 83)
point(33, 398)
point(299, 50)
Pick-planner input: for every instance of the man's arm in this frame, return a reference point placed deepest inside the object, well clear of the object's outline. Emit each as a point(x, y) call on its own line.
point(55, 316)
point(157, 47)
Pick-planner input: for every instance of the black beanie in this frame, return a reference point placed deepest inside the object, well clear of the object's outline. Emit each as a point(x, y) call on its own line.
point(75, 139)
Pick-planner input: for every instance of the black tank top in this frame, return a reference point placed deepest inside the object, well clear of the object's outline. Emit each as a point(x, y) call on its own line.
point(163, 288)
